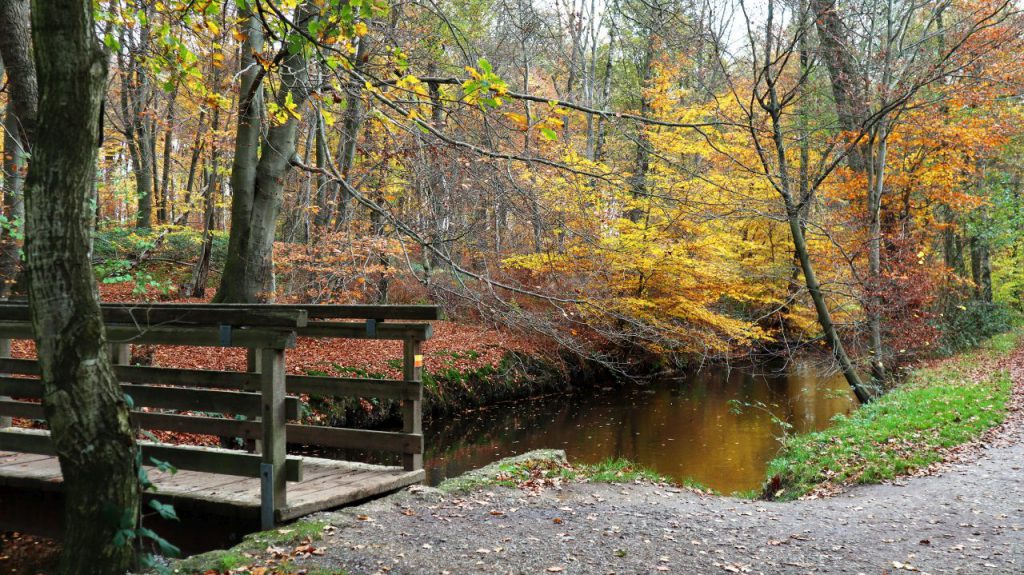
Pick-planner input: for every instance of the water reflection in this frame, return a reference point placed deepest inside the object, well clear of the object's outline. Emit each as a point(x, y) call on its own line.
point(684, 428)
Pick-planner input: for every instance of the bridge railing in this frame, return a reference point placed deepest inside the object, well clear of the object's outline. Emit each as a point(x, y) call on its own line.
point(262, 399)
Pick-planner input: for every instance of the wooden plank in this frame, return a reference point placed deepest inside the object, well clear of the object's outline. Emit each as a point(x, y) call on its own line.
point(159, 375)
point(19, 366)
point(380, 483)
point(20, 387)
point(352, 330)
point(207, 459)
point(354, 387)
point(185, 377)
point(412, 411)
point(355, 438)
point(314, 311)
point(170, 335)
point(180, 314)
point(178, 398)
point(193, 424)
point(14, 408)
point(274, 422)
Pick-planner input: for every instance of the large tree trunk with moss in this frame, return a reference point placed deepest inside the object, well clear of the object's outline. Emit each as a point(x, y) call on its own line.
point(84, 406)
point(259, 170)
point(19, 123)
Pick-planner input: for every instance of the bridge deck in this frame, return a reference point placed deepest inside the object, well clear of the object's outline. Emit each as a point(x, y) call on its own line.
point(325, 484)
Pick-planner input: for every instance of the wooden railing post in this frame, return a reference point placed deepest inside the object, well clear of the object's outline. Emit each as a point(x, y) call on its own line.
point(412, 412)
point(5, 351)
point(252, 365)
point(274, 486)
point(120, 353)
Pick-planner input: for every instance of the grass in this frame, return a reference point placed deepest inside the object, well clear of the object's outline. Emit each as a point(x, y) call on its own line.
point(607, 471)
point(907, 429)
point(237, 558)
point(545, 466)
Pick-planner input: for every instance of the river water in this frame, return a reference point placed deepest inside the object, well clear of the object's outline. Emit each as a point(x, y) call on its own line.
point(718, 427)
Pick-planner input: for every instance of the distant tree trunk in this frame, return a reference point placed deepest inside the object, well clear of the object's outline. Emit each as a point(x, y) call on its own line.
point(641, 158)
point(162, 211)
point(350, 136)
point(138, 130)
point(19, 122)
point(193, 163)
point(84, 406)
point(196, 286)
point(326, 190)
point(981, 269)
point(257, 180)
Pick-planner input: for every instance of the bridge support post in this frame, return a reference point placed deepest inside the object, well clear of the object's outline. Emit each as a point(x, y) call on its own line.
point(412, 411)
point(5, 351)
point(272, 379)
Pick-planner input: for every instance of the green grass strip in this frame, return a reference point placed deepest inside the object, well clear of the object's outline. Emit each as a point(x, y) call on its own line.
point(904, 430)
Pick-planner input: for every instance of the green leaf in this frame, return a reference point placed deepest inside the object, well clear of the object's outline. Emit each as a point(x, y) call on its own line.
point(111, 42)
point(549, 134)
point(484, 65)
point(163, 466)
point(165, 511)
point(166, 548)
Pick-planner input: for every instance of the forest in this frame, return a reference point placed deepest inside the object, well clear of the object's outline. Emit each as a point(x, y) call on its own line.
point(646, 184)
point(620, 176)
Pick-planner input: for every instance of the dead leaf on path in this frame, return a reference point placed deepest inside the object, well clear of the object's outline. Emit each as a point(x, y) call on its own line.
point(363, 518)
point(555, 569)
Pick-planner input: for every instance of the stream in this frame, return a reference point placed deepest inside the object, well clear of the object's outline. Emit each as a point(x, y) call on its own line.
point(718, 427)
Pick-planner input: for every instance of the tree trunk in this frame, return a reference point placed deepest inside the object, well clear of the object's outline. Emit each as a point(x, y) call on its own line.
point(138, 130)
point(350, 136)
point(196, 286)
point(876, 188)
point(257, 183)
point(193, 163)
point(84, 405)
point(19, 123)
point(796, 228)
point(162, 212)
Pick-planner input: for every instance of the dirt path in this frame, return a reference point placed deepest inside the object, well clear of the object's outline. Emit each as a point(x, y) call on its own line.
point(969, 518)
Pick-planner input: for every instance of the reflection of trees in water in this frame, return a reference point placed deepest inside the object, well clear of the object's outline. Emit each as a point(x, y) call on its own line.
point(680, 427)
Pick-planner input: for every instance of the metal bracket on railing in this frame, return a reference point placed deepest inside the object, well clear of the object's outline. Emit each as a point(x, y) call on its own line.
point(266, 496)
point(225, 335)
point(371, 328)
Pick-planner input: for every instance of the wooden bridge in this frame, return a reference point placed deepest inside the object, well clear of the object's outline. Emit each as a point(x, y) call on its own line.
point(258, 405)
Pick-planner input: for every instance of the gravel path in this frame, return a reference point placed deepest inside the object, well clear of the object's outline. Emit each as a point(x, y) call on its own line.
point(969, 519)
